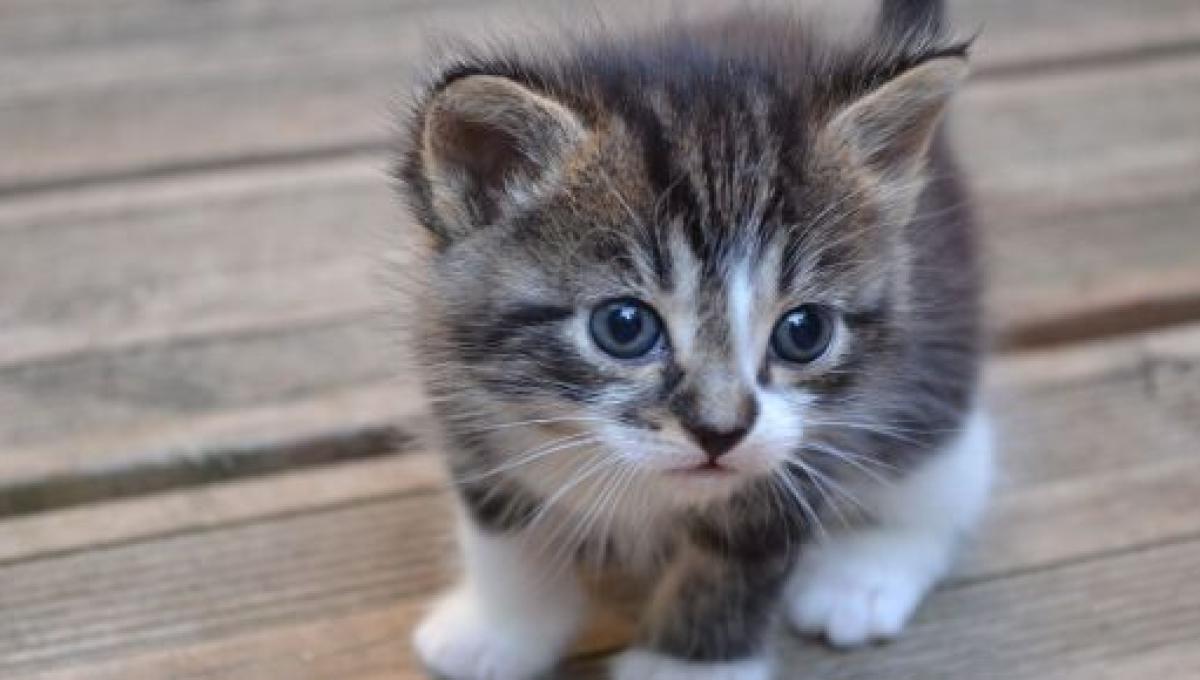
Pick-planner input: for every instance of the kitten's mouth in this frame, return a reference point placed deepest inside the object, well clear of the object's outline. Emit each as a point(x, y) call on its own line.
point(707, 469)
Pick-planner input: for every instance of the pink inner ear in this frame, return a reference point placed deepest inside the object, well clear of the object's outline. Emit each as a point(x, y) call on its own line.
point(487, 156)
point(486, 134)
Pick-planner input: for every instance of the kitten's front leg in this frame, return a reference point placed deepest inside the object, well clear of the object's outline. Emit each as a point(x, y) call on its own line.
point(511, 617)
point(709, 620)
point(864, 584)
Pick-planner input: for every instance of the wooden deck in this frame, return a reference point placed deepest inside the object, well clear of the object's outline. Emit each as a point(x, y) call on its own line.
point(208, 468)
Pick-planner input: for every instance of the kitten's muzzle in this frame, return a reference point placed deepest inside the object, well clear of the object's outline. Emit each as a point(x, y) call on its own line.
point(715, 422)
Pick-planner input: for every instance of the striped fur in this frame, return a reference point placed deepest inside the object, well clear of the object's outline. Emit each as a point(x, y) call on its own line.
point(723, 173)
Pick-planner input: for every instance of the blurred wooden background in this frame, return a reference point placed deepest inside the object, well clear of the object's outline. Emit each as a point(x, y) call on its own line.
point(207, 467)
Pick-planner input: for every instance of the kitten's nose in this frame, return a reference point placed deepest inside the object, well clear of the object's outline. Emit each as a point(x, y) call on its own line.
point(715, 421)
point(715, 443)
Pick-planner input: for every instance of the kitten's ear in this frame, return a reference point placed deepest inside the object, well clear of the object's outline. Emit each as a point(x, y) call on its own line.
point(889, 130)
point(487, 143)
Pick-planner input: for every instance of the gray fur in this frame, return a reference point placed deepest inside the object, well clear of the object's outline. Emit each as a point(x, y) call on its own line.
point(650, 167)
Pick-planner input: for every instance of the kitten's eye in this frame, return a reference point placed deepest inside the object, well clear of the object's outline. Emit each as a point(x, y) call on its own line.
point(626, 328)
point(803, 334)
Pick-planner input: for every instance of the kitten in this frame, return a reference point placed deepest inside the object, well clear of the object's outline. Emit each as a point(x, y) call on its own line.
point(702, 305)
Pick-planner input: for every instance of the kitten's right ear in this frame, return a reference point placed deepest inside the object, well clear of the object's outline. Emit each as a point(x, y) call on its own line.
point(485, 144)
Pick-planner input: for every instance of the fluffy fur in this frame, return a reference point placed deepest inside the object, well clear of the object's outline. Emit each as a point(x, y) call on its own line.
point(721, 173)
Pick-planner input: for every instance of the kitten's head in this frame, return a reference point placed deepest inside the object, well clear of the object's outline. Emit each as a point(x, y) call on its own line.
point(682, 258)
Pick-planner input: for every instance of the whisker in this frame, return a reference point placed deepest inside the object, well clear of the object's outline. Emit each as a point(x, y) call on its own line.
point(856, 461)
point(817, 480)
point(805, 507)
point(533, 421)
point(824, 480)
point(535, 454)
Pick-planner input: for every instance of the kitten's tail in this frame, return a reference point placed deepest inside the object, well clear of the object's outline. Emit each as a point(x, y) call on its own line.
point(906, 17)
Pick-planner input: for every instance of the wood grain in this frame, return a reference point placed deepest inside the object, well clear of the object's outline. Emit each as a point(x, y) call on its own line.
point(1038, 625)
point(271, 247)
point(266, 299)
point(169, 87)
point(227, 435)
point(1054, 461)
point(1075, 621)
point(97, 391)
point(1114, 618)
point(191, 205)
point(102, 270)
point(265, 566)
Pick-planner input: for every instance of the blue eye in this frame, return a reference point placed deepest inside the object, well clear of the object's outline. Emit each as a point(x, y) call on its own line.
point(626, 328)
point(803, 334)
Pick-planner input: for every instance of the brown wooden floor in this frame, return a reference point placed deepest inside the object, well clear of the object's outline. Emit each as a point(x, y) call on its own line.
point(206, 464)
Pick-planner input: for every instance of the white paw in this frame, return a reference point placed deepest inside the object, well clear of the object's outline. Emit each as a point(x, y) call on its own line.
point(862, 589)
point(639, 664)
point(457, 643)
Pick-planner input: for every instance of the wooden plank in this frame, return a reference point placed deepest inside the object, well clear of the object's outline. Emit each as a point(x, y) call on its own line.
point(361, 645)
point(1089, 218)
point(255, 575)
point(1055, 461)
point(1028, 187)
point(144, 385)
point(1038, 625)
point(1127, 617)
point(1019, 38)
point(170, 86)
point(1102, 402)
point(1093, 515)
point(358, 424)
point(216, 505)
point(1143, 387)
point(1061, 136)
point(271, 426)
point(136, 263)
point(1169, 661)
point(273, 566)
point(173, 86)
point(1056, 159)
point(1079, 621)
point(175, 306)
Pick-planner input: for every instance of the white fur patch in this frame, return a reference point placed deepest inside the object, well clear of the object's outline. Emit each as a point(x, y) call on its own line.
point(639, 664)
point(741, 321)
point(778, 423)
point(862, 585)
point(680, 305)
point(951, 490)
point(507, 620)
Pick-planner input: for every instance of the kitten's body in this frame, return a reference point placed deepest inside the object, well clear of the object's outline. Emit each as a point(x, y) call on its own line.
point(718, 176)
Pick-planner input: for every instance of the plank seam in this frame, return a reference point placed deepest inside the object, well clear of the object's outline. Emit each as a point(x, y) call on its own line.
point(268, 518)
point(1075, 560)
point(200, 338)
point(1102, 321)
point(233, 462)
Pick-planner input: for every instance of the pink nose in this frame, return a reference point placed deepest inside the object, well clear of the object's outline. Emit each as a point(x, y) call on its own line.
point(715, 443)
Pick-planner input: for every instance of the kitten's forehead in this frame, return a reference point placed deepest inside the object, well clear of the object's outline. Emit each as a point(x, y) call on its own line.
point(717, 313)
point(702, 188)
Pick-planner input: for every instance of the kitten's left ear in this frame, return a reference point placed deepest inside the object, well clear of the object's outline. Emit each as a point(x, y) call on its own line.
point(889, 130)
point(485, 144)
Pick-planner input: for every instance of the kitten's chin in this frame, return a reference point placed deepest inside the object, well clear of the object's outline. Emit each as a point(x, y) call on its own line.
point(700, 484)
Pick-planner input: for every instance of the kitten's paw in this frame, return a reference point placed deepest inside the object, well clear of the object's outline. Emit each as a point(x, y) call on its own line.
point(858, 591)
point(457, 643)
point(639, 664)
point(854, 610)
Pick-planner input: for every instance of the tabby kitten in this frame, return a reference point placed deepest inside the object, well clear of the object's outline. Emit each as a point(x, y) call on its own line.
point(702, 305)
